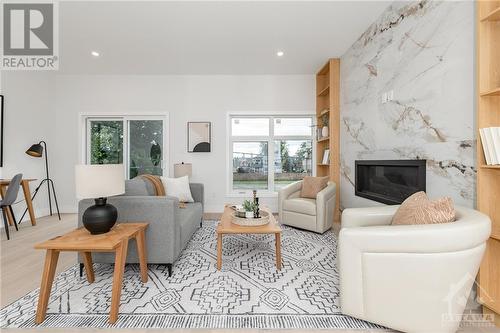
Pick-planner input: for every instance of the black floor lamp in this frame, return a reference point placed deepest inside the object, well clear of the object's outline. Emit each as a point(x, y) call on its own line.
point(37, 150)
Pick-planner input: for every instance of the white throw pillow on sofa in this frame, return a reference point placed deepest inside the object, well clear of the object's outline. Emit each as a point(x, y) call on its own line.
point(178, 187)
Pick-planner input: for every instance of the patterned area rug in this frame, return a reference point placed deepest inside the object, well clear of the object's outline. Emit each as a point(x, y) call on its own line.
point(248, 293)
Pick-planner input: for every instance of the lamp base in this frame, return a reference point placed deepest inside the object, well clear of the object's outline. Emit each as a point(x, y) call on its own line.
point(100, 218)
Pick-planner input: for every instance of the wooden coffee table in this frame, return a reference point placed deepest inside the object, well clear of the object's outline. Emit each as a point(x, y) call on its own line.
point(80, 240)
point(227, 227)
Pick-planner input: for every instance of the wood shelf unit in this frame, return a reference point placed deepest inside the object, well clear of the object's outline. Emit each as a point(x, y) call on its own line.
point(328, 103)
point(488, 176)
point(490, 167)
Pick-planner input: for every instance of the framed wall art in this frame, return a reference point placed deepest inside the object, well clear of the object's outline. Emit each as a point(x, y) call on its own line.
point(199, 137)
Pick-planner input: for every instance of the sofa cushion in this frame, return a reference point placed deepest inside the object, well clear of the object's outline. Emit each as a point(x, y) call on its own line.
point(178, 187)
point(311, 186)
point(418, 209)
point(136, 187)
point(189, 219)
point(300, 205)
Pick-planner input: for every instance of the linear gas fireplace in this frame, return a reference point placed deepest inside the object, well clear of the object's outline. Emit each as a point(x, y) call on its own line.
point(389, 181)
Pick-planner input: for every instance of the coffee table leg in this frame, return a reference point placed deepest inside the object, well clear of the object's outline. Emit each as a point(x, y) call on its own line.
point(219, 251)
point(89, 269)
point(141, 250)
point(278, 251)
point(120, 257)
point(49, 271)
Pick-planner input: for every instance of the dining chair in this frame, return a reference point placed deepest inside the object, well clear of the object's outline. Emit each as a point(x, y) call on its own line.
point(9, 198)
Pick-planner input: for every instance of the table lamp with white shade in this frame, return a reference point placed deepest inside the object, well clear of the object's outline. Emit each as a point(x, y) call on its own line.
point(183, 169)
point(99, 182)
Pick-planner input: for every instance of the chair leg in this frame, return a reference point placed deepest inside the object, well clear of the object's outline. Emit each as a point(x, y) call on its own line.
point(14, 218)
point(81, 269)
point(5, 223)
point(169, 268)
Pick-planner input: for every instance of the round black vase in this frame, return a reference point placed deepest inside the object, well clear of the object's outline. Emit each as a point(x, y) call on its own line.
point(100, 218)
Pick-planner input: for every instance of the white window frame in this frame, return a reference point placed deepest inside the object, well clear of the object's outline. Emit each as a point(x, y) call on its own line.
point(84, 121)
point(270, 139)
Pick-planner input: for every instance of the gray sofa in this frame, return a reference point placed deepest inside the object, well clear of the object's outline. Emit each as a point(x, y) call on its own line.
point(170, 227)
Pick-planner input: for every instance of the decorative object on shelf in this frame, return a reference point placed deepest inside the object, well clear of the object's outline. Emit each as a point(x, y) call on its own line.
point(183, 169)
point(325, 119)
point(99, 182)
point(326, 157)
point(249, 209)
point(1, 130)
point(37, 150)
point(490, 141)
point(318, 133)
point(199, 137)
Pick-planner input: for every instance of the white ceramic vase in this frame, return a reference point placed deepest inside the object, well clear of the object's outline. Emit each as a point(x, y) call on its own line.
point(324, 131)
point(249, 215)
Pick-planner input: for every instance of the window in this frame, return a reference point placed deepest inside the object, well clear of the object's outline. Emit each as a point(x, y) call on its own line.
point(137, 142)
point(267, 153)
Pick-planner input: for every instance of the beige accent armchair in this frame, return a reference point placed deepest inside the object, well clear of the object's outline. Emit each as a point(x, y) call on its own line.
point(412, 278)
point(309, 214)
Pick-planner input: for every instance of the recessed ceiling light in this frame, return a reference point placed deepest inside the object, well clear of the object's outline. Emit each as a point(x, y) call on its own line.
point(280, 53)
point(95, 53)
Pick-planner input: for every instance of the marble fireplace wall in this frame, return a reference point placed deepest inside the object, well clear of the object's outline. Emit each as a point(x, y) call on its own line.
point(423, 52)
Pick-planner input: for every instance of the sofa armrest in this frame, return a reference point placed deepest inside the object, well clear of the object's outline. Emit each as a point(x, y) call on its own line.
point(325, 206)
point(198, 192)
point(326, 194)
point(368, 216)
point(160, 212)
point(285, 193)
point(420, 238)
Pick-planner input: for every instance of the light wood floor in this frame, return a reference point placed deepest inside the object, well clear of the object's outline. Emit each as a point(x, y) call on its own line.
point(21, 266)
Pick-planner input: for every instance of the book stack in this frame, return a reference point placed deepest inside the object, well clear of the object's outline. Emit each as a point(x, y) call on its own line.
point(490, 140)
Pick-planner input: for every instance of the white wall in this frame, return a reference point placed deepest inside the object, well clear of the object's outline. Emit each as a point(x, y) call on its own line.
point(27, 120)
point(186, 98)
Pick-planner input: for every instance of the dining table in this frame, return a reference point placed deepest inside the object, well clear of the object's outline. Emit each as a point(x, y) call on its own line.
point(25, 184)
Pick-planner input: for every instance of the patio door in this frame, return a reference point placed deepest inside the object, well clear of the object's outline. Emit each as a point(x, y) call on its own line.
point(137, 142)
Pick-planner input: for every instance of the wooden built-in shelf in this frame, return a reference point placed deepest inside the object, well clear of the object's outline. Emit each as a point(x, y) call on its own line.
point(325, 91)
point(496, 166)
point(494, 15)
point(494, 92)
point(488, 176)
point(328, 110)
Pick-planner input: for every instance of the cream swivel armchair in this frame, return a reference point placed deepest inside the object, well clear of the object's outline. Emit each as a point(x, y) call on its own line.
point(309, 214)
point(412, 278)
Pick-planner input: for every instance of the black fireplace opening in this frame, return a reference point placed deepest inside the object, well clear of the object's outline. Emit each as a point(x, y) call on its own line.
point(389, 181)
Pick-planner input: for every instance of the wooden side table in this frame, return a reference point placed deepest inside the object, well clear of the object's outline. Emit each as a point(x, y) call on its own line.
point(80, 240)
point(227, 227)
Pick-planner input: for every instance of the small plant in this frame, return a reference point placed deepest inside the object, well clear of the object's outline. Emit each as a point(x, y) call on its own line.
point(248, 206)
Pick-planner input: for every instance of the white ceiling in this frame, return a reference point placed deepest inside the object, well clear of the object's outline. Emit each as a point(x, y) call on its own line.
point(138, 37)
